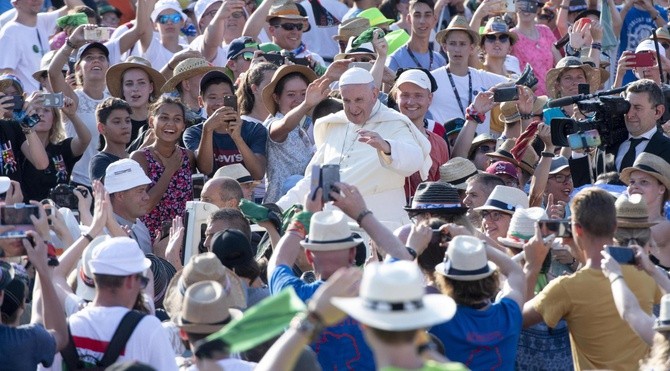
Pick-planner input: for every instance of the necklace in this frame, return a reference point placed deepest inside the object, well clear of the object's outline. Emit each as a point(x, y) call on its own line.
point(345, 154)
point(458, 97)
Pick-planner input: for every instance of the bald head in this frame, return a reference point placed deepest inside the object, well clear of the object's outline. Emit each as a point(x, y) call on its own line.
point(222, 192)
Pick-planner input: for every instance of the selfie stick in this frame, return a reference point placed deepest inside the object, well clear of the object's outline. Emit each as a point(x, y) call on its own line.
point(658, 55)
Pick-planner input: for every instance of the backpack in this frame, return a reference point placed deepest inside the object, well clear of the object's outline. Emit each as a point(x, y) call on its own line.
point(116, 345)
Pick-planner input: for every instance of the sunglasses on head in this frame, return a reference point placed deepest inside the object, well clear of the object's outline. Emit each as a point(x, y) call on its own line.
point(290, 26)
point(164, 19)
point(501, 37)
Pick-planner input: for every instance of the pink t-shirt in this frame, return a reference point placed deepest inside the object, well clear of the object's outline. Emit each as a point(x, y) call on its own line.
point(537, 53)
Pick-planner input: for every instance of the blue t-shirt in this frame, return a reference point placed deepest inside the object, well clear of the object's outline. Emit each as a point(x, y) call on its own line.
point(636, 27)
point(339, 347)
point(225, 151)
point(402, 59)
point(24, 347)
point(482, 339)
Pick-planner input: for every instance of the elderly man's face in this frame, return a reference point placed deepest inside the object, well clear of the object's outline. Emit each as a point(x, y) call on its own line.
point(358, 99)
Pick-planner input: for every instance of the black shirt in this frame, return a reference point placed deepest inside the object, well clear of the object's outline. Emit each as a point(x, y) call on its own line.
point(37, 183)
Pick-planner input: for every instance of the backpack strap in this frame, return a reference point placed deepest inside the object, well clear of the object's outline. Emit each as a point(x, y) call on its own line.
point(69, 353)
point(120, 337)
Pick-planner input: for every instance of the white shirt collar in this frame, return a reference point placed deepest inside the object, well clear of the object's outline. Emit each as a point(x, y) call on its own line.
point(647, 135)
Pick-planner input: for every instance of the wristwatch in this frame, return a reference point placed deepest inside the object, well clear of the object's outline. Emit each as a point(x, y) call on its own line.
point(411, 251)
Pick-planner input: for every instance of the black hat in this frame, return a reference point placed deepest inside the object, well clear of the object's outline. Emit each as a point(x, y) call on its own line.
point(437, 197)
point(232, 247)
point(6, 274)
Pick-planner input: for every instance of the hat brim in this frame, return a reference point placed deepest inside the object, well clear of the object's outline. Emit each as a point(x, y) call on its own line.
point(559, 169)
point(625, 176)
point(436, 309)
point(441, 210)
point(442, 268)
point(510, 243)
point(489, 207)
point(331, 246)
point(592, 78)
point(84, 291)
point(172, 83)
point(115, 72)
point(442, 35)
point(634, 225)
point(279, 74)
point(351, 55)
point(197, 328)
point(502, 157)
point(287, 16)
point(477, 143)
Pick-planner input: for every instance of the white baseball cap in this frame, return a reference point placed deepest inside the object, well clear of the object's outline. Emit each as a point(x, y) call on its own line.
point(123, 175)
point(355, 76)
point(648, 45)
point(118, 256)
point(416, 77)
point(162, 5)
point(201, 7)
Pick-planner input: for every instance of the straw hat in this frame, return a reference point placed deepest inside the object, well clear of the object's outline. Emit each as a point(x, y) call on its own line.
point(329, 231)
point(522, 226)
point(504, 153)
point(279, 74)
point(509, 112)
point(592, 78)
point(479, 140)
point(186, 69)
point(649, 164)
point(375, 16)
point(505, 199)
point(466, 260)
point(396, 39)
point(115, 73)
point(361, 50)
point(235, 171)
point(496, 26)
point(631, 212)
point(352, 27)
point(436, 197)
point(287, 10)
point(203, 267)
point(663, 321)
point(458, 23)
point(85, 283)
point(392, 298)
point(205, 309)
point(456, 171)
point(44, 64)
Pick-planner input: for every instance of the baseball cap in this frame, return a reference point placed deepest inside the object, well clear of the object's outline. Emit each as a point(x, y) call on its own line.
point(236, 46)
point(89, 46)
point(558, 163)
point(232, 248)
point(123, 175)
point(119, 256)
point(211, 75)
point(164, 5)
point(416, 77)
point(503, 167)
point(201, 7)
point(5, 182)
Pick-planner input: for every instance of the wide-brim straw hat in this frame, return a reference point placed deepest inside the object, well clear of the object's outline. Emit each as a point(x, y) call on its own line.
point(392, 298)
point(509, 113)
point(567, 63)
point(457, 171)
point(465, 260)
point(352, 27)
point(279, 74)
point(115, 73)
point(649, 164)
point(436, 197)
point(329, 231)
point(522, 226)
point(495, 26)
point(632, 212)
point(205, 309)
point(505, 199)
point(458, 23)
point(504, 153)
point(186, 69)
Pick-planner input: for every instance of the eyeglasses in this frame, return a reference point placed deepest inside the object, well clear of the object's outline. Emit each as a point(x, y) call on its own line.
point(484, 148)
point(144, 281)
point(290, 26)
point(211, 13)
point(560, 178)
point(415, 217)
point(164, 19)
point(492, 38)
point(493, 215)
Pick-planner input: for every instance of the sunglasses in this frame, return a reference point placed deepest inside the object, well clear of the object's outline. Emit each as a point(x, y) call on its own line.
point(290, 26)
point(486, 148)
point(492, 38)
point(247, 56)
point(164, 19)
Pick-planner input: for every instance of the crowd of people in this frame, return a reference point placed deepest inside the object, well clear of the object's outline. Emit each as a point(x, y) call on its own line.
point(335, 185)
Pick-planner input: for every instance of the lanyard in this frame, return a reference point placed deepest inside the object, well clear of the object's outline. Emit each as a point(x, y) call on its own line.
point(39, 41)
point(453, 86)
point(416, 61)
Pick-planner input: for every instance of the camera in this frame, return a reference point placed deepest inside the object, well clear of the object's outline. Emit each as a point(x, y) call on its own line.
point(63, 196)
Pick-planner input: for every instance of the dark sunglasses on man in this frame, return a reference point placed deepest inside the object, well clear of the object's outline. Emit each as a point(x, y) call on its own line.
point(291, 26)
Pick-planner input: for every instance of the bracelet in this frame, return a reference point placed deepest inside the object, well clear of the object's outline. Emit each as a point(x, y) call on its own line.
point(472, 115)
point(598, 46)
point(547, 154)
point(363, 214)
point(526, 116)
point(70, 44)
point(309, 324)
point(616, 278)
point(87, 236)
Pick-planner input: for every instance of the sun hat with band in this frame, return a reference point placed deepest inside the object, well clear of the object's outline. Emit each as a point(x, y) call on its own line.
point(352, 27)
point(504, 153)
point(457, 171)
point(118, 256)
point(205, 308)
point(458, 23)
point(286, 10)
point(115, 74)
point(522, 226)
point(649, 164)
point(465, 260)
point(186, 69)
point(203, 267)
point(279, 74)
point(567, 63)
point(329, 231)
point(498, 26)
point(85, 283)
point(479, 140)
point(509, 113)
point(392, 298)
point(363, 50)
point(123, 175)
point(436, 197)
point(632, 212)
point(505, 199)
point(235, 171)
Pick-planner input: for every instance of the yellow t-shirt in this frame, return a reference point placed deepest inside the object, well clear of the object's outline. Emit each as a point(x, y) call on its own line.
point(599, 338)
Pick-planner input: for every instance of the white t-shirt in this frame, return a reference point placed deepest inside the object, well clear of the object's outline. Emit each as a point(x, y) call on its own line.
point(445, 106)
point(25, 47)
point(93, 327)
point(86, 112)
point(319, 40)
point(231, 364)
point(158, 55)
point(219, 60)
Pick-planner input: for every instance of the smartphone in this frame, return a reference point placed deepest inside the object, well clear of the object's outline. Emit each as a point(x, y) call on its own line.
point(17, 103)
point(198, 181)
point(54, 100)
point(587, 139)
point(274, 58)
point(330, 174)
point(18, 214)
point(584, 89)
point(506, 94)
point(558, 227)
point(623, 255)
point(643, 59)
point(230, 101)
point(165, 228)
point(98, 34)
point(584, 21)
point(364, 65)
point(439, 237)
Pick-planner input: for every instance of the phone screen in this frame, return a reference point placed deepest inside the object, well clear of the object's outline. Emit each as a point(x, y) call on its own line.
point(623, 255)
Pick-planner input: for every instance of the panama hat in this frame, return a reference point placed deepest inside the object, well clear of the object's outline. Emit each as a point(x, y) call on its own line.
point(205, 309)
point(465, 260)
point(352, 27)
point(479, 140)
point(329, 231)
point(186, 69)
point(504, 153)
point(436, 197)
point(203, 267)
point(505, 199)
point(376, 17)
point(495, 26)
point(509, 113)
point(392, 298)
point(85, 283)
point(279, 74)
point(522, 226)
point(567, 63)
point(287, 10)
point(457, 171)
point(351, 51)
point(631, 212)
point(663, 321)
point(236, 171)
point(649, 164)
point(115, 74)
point(458, 23)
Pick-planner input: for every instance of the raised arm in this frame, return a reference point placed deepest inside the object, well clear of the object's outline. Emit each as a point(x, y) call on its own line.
point(213, 33)
point(482, 104)
point(538, 182)
point(256, 20)
point(32, 147)
point(55, 72)
point(83, 137)
point(144, 22)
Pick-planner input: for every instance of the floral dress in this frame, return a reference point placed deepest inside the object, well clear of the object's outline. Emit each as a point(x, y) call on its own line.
point(173, 202)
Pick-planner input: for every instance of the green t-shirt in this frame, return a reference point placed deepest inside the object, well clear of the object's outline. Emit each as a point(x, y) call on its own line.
point(431, 366)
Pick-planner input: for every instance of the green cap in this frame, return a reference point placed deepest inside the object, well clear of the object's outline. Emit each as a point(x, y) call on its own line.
point(396, 39)
point(73, 20)
point(375, 16)
point(269, 47)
